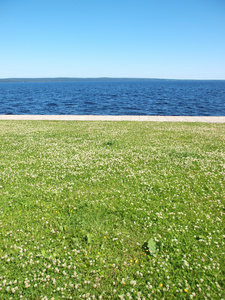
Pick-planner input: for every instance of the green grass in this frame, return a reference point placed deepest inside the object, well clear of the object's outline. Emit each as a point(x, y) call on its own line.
point(83, 203)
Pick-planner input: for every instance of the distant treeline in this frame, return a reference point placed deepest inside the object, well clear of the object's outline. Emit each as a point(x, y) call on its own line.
point(68, 79)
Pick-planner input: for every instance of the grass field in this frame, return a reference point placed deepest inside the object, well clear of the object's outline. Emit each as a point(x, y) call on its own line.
point(112, 210)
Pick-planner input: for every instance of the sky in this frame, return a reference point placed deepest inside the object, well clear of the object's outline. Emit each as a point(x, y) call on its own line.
point(173, 39)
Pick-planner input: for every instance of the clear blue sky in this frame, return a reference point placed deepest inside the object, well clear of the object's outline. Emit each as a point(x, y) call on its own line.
point(183, 39)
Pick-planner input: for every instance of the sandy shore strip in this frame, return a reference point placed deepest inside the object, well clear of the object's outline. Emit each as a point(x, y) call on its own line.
point(212, 119)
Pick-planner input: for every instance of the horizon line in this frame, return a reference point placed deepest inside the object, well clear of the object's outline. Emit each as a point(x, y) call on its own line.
point(101, 78)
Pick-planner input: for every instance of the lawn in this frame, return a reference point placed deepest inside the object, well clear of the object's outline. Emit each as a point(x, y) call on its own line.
point(112, 210)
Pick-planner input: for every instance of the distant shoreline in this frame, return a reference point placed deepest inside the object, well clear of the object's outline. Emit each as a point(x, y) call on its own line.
point(74, 79)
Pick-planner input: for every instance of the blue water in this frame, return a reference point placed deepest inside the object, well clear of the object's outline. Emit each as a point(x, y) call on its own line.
point(155, 97)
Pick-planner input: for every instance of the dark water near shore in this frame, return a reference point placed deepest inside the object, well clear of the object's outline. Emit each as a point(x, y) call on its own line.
point(154, 97)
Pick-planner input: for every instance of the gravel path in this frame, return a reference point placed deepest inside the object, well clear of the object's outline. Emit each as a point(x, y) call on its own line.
point(114, 118)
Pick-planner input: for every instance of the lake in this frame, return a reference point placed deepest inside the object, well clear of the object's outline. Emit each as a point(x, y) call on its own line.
point(114, 97)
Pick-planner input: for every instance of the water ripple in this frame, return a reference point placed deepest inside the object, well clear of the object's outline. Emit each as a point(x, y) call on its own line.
point(194, 98)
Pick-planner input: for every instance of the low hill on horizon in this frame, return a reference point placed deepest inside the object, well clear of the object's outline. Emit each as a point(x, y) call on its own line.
point(71, 79)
